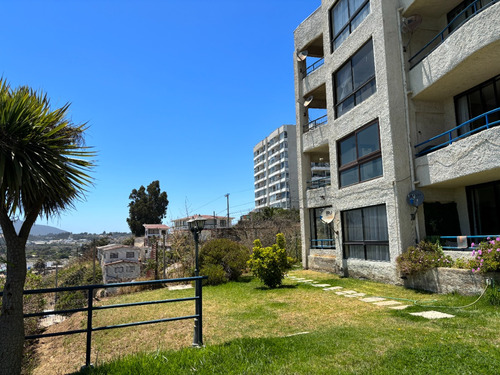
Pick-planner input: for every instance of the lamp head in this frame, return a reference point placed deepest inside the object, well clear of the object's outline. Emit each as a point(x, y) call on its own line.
point(196, 224)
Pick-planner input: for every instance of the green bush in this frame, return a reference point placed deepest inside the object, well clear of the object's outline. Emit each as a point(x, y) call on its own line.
point(269, 264)
point(228, 255)
point(216, 274)
point(423, 257)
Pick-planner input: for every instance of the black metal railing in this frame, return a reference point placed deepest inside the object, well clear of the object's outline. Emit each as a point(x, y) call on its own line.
point(315, 123)
point(468, 12)
point(311, 68)
point(319, 183)
point(198, 316)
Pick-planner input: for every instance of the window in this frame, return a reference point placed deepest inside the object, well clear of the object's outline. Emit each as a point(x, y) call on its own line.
point(130, 254)
point(321, 233)
point(484, 208)
point(345, 16)
point(365, 233)
point(476, 101)
point(113, 255)
point(359, 157)
point(354, 82)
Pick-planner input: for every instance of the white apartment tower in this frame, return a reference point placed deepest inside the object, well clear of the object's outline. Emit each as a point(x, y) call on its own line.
point(275, 169)
point(401, 99)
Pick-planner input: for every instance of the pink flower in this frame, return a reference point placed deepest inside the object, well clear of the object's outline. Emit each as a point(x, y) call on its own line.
point(480, 252)
point(482, 260)
point(473, 252)
point(488, 238)
point(472, 244)
point(489, 250)
point(498, 249)
point(473, 270)
point(492, 242)
point(498, 239)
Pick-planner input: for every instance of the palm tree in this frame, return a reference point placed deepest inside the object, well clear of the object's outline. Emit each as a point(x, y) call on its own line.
point(44, 169)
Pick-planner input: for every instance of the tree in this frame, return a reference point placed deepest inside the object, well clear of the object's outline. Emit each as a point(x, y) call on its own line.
point(44, 168)
point(147, 207)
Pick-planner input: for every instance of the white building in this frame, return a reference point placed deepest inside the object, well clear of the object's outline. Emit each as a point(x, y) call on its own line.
point(275, 169)
point(119, 262)
point(396, 96)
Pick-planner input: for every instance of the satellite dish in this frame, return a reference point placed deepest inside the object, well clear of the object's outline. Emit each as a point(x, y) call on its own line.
point(308, 101)
point(327, 215)
point(415, 198)
point(301, 56)
point(411, 23)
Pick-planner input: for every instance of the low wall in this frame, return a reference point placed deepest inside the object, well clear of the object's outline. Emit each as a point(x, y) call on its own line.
point(449, 280)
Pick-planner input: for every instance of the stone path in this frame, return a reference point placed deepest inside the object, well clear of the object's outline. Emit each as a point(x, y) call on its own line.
point(378, 301)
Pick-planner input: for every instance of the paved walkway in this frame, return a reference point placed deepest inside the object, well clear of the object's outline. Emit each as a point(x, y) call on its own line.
point(378, 301)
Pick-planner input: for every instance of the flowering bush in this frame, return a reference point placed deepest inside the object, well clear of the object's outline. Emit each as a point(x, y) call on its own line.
point(486, 256)
point(420, 258)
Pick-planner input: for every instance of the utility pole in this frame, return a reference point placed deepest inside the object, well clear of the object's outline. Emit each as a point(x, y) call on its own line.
point(227, 196)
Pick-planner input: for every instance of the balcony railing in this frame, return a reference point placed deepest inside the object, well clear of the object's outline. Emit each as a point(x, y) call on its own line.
point(316, 123)
point(311, 68)
point(475, 8)
point(463, 243)
point(319, 182)
point(447, 138)
point(323, 243)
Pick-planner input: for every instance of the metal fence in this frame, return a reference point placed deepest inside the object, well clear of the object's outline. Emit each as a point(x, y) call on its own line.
point(198, 316)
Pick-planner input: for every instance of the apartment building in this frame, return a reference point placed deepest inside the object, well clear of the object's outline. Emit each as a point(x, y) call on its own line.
point(401, 99)
point(275, 169)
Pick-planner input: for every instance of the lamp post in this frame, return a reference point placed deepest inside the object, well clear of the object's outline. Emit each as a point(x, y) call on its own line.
point(196, 225)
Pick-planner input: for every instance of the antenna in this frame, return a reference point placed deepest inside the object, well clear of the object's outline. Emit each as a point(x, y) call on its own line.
point(410, 24)
point(301, 56)
point(308, 101)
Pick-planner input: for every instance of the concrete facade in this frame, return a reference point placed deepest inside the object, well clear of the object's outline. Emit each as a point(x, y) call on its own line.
point(275, 169)
point(119, 262)
point(415, 99)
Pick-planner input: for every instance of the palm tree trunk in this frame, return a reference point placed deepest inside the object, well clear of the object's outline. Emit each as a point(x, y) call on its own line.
point(11, 317)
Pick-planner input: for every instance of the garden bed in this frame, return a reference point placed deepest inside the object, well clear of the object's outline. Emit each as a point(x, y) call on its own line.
point(449, 280)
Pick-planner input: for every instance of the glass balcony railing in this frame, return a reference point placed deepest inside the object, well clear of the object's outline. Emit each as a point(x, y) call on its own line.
point(464, 243)
point(319, 182)
point(482, 122)
point(328, 243)
point(461, 18)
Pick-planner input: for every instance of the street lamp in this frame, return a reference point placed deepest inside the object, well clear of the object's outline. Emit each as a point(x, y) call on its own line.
point(196, 225)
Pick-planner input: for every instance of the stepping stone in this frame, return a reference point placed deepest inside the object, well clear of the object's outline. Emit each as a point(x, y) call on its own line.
point(433, 315)
point(349, 292)
point(355, 295)
point(299, 278)
point(387, 303)
point(321, 285)
point(400, 307)
point(372, 299)
point(334, 288)
point(304, 281)
point(180, 287)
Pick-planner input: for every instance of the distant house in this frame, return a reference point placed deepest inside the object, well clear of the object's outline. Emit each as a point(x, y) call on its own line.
point(212, 222)
point(119, 262)
point(155, 230)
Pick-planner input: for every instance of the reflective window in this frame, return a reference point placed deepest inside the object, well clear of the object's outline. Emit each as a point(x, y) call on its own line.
point(345, 16)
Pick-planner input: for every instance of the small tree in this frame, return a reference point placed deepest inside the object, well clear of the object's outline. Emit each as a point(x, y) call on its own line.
point(147, 207)
point(269, 264)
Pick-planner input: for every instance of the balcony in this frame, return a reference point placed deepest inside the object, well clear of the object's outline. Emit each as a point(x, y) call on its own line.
point(482, 122)
point(328, 243)
point(456, 22)
point(319, 182)
point(316, 123)
point(468, 55)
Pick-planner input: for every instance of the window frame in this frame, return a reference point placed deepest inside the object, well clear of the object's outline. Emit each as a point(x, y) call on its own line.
point(352, 16)
point(364, 242)
point(353, 95)
point(359, 160)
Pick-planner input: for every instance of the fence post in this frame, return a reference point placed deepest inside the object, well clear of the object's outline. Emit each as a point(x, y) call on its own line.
point(198, 331)
point(90, 292)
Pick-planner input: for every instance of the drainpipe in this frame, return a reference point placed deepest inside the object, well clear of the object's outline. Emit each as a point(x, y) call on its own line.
point(407, 118)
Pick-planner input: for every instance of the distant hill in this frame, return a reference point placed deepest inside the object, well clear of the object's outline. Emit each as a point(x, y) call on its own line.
point(39, 230)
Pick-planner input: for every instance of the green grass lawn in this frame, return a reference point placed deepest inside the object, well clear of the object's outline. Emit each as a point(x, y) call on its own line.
point(296, 329)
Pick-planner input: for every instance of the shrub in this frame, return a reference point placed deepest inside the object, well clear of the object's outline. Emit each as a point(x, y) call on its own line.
point(486, 256)
point(216, 274)
point(228, 256)
point(269, 264)
point(420, 258)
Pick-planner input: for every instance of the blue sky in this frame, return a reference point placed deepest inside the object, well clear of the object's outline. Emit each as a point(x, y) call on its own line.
point(173, 90)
